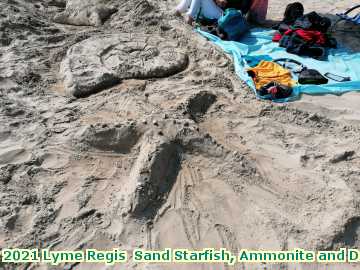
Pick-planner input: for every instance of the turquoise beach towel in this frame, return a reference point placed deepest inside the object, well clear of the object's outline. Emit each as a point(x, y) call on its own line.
point(257, 45)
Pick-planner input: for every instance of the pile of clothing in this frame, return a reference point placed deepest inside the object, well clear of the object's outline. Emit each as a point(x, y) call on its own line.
point(272, 80)
point(304, 35)
point(273, 73)
point(275, 79)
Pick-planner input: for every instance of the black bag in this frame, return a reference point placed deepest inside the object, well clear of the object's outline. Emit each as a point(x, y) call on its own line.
point(311, 76)
point(306, 76)
point(313, 21)
point(293, 11)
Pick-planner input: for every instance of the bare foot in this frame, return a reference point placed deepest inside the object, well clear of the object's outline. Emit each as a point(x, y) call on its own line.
point(177, 13)
point(189, 20)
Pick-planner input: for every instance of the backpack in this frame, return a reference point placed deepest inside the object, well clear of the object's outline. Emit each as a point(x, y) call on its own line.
point(312, 76)
point(293, 11)
point(233, 24)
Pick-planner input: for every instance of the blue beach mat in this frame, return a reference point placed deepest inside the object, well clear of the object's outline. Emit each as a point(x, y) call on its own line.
point(257, 45)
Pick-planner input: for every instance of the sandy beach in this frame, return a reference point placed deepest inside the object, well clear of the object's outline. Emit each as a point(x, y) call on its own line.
point(120, 127)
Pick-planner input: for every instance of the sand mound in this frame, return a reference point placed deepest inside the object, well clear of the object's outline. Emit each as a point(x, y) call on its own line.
point(85, 13)
point(152, 177)
point(100, 62)
point(136, 12)
point(103, 137)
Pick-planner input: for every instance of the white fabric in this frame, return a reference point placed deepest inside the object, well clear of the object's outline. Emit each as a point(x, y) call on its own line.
point(208, 8)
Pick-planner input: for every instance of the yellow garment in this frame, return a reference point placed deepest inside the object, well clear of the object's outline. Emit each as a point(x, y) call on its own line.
point(266, 72)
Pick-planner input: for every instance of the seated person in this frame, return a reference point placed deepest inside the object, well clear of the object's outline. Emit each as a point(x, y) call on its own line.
point(256, 10)
point(242, 5)
point(213, 9)
point(209, 8)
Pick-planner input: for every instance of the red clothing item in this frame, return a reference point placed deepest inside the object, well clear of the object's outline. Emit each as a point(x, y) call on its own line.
point(310, 36)
point(277, 37)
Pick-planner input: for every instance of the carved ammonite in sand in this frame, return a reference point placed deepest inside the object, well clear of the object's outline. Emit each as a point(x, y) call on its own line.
point(103, 61)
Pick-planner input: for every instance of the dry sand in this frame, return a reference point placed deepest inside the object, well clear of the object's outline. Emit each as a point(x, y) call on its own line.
point(166, 147)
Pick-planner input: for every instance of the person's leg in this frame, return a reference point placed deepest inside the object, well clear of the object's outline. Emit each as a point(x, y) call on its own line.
point(258, 11)
point(183, 6)
point(194, 9)
point(210, 9)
